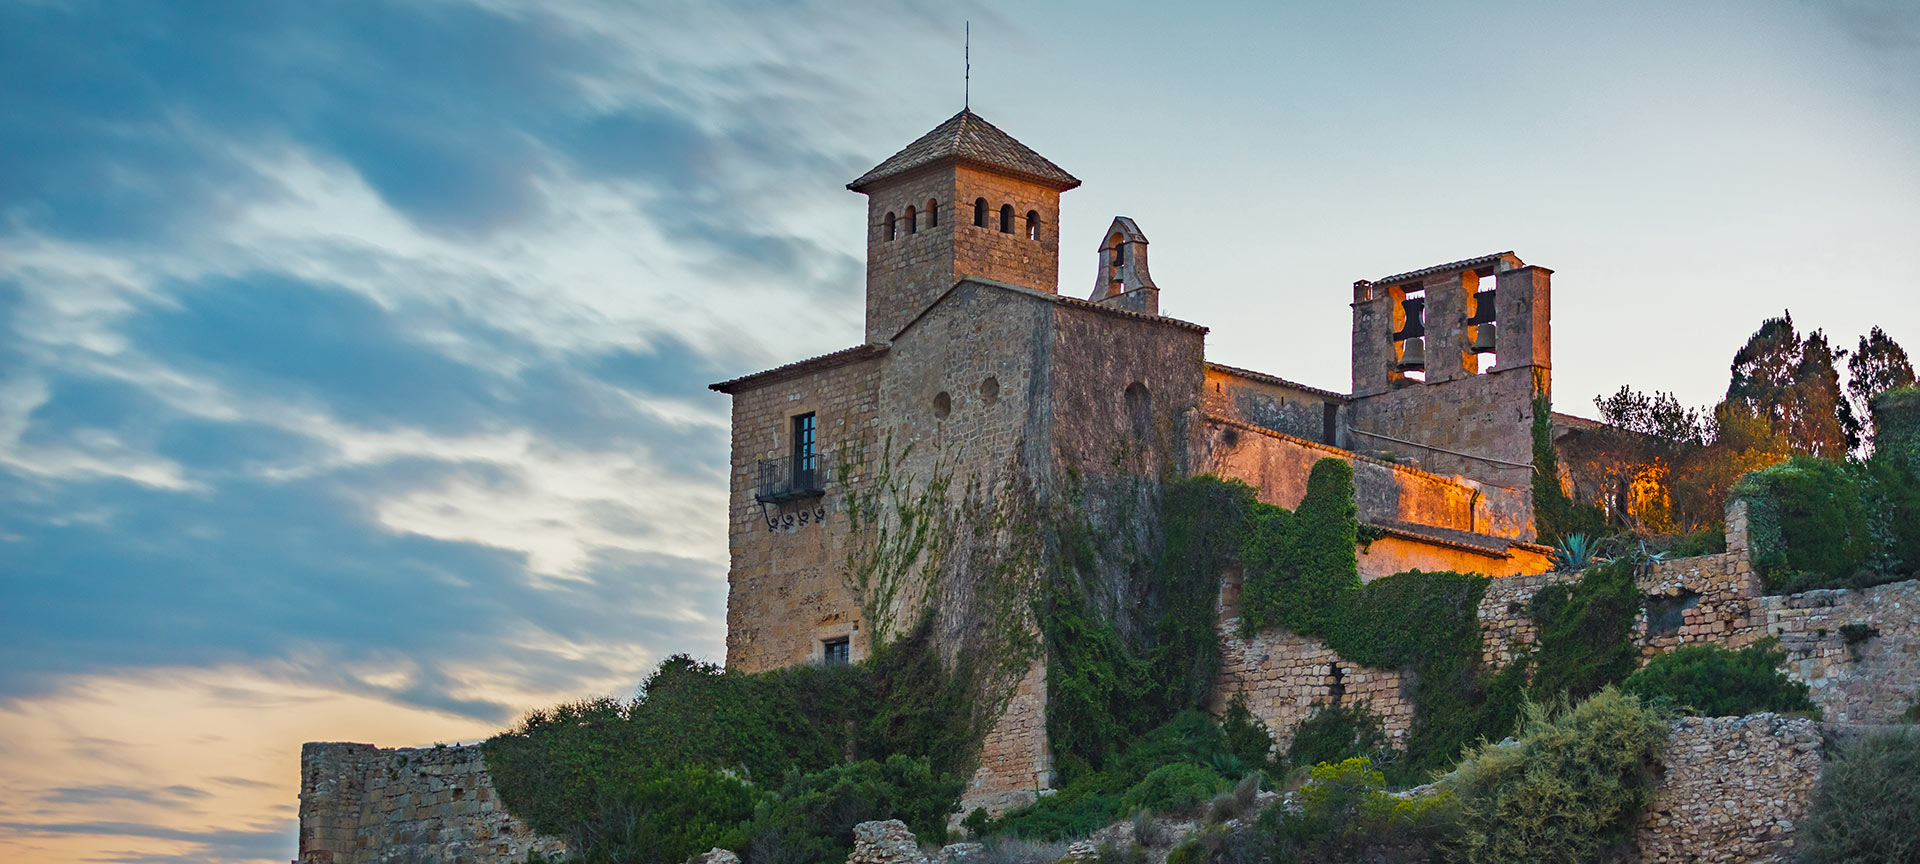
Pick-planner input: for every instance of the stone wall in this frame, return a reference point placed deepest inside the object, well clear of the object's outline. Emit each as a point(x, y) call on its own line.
point(1868, 675)
point(1016, 761)
point(1732, 789)
point(1285, 677)
point(1273, 403)
point(360, 804)
point(786, 591)
point(1278, 465)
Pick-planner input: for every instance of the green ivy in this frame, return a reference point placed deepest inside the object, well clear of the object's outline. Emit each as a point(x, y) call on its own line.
point(1586, 632)
point(1107, 684)
point(1300, 565)
point(1555, 516)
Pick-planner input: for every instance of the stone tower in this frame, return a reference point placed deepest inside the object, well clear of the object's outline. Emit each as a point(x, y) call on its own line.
point(965, 200)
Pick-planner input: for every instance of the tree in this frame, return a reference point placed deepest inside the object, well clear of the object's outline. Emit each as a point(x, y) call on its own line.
point(1646, 445)
point(1793, 384)
point(1877, 365)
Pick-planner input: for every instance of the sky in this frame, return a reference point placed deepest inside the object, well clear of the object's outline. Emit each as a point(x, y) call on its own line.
point(353, 355)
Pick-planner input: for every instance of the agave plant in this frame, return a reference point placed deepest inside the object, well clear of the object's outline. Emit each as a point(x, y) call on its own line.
point(1575, 552)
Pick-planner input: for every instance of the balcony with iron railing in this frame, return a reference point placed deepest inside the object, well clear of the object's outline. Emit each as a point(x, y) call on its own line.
point(785, 479)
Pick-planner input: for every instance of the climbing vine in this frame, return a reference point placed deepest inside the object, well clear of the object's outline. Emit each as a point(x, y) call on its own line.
point(1556, 516)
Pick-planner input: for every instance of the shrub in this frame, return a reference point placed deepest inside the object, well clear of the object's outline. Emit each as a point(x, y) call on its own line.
point(1247, 739)
point(812, 817)
point(1567, 790)
point(1711, 681)
point(670, 817)
point(1334, 734)
point(1867, 806)
point(1807, 523)
point(1179, 786)
point(1345, 814)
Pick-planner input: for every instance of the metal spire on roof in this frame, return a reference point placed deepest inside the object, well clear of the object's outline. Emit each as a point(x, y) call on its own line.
point(966, 89)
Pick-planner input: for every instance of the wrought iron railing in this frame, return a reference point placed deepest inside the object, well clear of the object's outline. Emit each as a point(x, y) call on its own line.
point(784, 479)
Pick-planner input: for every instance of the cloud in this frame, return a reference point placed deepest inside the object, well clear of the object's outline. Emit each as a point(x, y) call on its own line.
point(213, 845)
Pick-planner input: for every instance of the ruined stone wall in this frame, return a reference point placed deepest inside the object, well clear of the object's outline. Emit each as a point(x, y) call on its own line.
point(786, 591)
point(1868, 676)
point(1731, 789)
point(1857, 650)
point(360, 804)
point(1278, 466)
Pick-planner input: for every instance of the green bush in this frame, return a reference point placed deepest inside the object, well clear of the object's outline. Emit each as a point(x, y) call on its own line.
point(1711, 681)
point(1807, 523)
point(1334, 734)
point(811, 819)
point(1178, 786)
point(1568, 790)
point(670, 817)
point(1344, 814)
point(570, 770)
point(1246, 737)
point(1867, 806)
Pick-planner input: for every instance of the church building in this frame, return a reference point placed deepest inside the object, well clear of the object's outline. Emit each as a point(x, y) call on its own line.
point(977, 369)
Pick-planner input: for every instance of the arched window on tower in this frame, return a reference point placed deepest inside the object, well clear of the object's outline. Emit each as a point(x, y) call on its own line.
point(979, 212)
point(1033, 224)
point(912, 220)
point(933, 213)
point(890, 223)
point(1006, 218)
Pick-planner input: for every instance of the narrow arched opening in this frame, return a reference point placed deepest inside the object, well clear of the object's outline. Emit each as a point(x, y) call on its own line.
point(933, 213)
point(980, 213)
point(892, 220)
point(1006, 218)
point(1033, 224)
point(911, 220)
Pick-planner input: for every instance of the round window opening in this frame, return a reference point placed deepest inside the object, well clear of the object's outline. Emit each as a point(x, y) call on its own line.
point(942, 405)
point(990, 390)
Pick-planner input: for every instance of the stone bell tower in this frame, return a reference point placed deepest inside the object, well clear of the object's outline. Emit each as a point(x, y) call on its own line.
point(964, 200)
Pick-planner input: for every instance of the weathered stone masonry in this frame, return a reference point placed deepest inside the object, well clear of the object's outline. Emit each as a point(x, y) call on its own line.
point(363, 805)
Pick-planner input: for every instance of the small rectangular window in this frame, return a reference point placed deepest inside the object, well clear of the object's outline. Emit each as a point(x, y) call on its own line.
point(837, 652)
point(805, 460)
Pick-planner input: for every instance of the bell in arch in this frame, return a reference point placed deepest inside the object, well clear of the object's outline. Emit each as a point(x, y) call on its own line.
point(1413, 355)
point(1483, 338)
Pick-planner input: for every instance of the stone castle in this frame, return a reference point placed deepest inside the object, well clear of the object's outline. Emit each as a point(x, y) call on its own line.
point(975, 358)
point(976, 368)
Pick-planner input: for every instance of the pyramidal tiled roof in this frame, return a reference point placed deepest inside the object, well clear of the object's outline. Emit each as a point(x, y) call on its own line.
point(968, 138)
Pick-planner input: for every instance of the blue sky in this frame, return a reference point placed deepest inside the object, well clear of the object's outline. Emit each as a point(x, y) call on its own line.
point(353, 355)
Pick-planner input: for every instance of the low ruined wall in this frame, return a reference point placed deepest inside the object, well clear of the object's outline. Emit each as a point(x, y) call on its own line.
point(1867, 675)
point(360, 804)
point(1732, 789)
